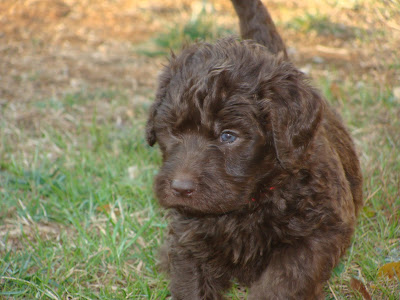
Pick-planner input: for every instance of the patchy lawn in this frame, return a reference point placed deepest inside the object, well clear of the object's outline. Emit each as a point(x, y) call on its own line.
point(78, 219)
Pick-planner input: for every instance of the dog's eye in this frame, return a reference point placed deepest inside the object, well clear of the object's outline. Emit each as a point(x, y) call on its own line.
point(228, 137)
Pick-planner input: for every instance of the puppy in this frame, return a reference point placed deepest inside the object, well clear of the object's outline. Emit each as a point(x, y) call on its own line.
point(259, 174)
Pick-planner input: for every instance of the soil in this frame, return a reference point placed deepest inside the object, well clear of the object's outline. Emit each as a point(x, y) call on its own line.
point(52, 47)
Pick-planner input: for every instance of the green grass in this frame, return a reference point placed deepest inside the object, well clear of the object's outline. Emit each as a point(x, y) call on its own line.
point(81, 224)
point(78, 217)
point(372, 116)
point(322, 25)
point(201, 27)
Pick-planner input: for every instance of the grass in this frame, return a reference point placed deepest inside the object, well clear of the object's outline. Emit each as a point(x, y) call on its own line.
point(376, 241)
point(84, 224)
point(200, 27)
point(322, 25)
point(78, 219)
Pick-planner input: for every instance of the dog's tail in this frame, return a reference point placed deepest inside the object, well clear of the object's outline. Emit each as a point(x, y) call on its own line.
point(256, 24)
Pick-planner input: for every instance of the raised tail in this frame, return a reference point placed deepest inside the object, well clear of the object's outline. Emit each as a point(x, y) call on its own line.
point(256, 24)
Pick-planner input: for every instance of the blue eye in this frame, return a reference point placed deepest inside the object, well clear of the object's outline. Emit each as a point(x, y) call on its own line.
point(228, 137)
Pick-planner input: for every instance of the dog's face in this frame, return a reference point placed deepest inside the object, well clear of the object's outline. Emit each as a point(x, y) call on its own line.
point(229, 119)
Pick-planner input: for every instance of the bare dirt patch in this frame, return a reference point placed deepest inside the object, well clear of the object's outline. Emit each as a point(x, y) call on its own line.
point(49, 47)
point(19, 232)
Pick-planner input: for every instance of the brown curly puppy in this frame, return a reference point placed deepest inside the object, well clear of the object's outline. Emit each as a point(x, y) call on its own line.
point(260, 176)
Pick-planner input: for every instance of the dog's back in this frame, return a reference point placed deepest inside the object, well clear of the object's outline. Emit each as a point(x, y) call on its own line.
point(256, 24)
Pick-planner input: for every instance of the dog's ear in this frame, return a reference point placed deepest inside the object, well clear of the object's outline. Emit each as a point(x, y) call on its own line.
point(151, 136)
point(150, 132)
point(164, 81)
point(295, 111)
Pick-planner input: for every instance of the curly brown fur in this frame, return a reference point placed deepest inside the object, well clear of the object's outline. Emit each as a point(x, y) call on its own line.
point(260, 176)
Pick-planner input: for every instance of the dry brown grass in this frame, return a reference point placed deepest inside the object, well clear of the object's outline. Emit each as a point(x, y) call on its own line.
point(52, 46)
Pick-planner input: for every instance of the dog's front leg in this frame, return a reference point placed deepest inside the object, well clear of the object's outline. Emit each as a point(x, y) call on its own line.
point(190, 281)
point(296, 272)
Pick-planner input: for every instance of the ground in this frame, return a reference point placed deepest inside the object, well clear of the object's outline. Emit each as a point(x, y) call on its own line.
point(76, 80)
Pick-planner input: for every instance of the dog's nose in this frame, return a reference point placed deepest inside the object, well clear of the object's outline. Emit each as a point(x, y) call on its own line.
point(183, 187)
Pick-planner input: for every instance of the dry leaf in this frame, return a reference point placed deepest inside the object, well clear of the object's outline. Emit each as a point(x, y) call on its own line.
point(369, 212)
point(106, 208)
point(358, 286)
point(109, 209)
point(335, 90)
point(390, 270)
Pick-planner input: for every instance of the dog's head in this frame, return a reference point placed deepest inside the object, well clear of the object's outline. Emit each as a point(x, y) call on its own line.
point(230, 119)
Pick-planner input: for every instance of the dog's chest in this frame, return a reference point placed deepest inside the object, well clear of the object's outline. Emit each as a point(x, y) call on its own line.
point(238, 246)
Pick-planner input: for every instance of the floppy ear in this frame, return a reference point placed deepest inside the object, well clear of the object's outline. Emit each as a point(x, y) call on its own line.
point(150, 132)
point(295, 111)
point(164, 81)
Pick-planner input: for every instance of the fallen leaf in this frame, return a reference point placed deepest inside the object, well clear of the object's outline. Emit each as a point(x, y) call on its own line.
point(369, 212)
point(108, 209)
point(390, 270)
point(358, 286)
point(335, 90)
